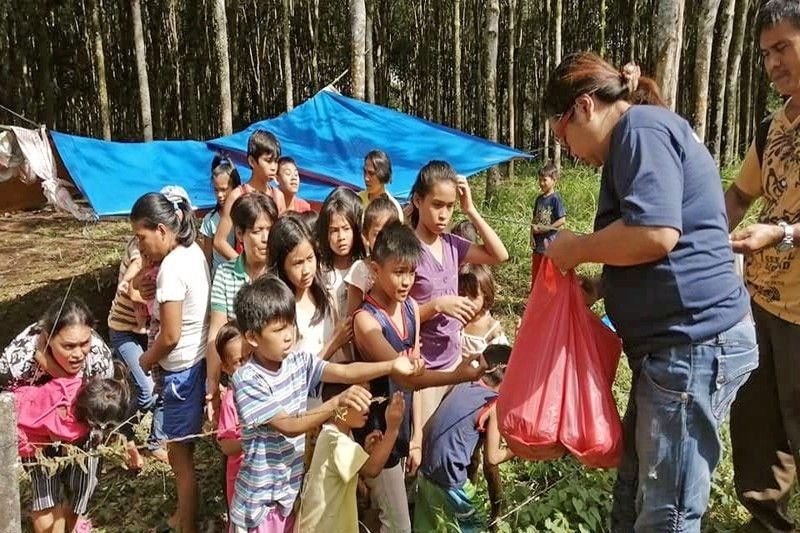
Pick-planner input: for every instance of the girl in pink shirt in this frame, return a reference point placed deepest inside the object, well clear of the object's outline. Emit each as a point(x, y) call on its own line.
point(229, 348)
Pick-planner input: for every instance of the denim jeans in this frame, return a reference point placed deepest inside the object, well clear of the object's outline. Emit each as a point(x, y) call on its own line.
point(679, 398)
point(129, 347)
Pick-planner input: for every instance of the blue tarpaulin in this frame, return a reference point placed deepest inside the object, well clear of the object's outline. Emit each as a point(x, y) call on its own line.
point(327, 135)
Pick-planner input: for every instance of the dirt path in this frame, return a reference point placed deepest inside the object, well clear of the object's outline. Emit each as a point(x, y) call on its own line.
point(41, 252)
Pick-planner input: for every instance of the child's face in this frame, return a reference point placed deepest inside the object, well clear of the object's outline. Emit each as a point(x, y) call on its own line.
point(254, 239)
point(478, 301)
point(394, 277)
point(288, 178)
point(234, 356)
point(436, 208)
point(376, 228)
point(222, 186)
point(371, 181)
point(301, 266)
point(340, 235)
point(266, 165)
point(546, 184)
point(273, 343)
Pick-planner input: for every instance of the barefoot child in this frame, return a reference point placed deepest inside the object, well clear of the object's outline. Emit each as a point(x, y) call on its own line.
point(549, 214)
point(229, 347)
point(442, 311)
point(451, 435)
point(270, 392)
point(328, 502)
point(386, 327)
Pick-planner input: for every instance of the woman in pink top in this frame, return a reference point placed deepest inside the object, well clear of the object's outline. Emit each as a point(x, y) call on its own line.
point(442, 311)
point(62, 344)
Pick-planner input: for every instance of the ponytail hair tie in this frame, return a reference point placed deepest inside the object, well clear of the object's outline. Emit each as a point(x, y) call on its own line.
point(630, 75)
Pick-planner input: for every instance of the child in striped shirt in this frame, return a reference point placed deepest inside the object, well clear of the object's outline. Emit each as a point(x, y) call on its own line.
point(270, 392)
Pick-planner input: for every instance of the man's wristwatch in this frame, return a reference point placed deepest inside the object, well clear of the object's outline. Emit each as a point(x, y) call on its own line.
point(787, 243)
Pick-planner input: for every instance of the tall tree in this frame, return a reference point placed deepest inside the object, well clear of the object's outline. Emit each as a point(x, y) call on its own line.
point(720, 81)
point(223, 66)
point(358, 22)
point(100, 67)
point(369, 59)
point(667, 44)
point(510, 82)
point(490, 43)
point(557, 9)
point(702, 64)
point(602, 24)
point(457, 63)
point(732, 100)
point(141, 69)
point(286, 33)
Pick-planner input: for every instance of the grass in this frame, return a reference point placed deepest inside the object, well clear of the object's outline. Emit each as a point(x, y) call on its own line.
point(557, 496)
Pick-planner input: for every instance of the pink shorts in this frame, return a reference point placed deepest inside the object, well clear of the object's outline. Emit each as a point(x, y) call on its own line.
point(274, 522)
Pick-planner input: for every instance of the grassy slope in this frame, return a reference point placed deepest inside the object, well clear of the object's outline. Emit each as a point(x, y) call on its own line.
point(565, 496)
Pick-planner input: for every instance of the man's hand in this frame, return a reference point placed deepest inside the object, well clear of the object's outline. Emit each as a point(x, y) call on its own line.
point(565, 250)
point(755, 237)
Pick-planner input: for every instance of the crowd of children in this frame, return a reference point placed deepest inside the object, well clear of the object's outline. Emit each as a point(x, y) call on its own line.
point(280, 323)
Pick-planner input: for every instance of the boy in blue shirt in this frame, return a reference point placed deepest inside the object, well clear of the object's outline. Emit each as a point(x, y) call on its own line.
point(549, 214)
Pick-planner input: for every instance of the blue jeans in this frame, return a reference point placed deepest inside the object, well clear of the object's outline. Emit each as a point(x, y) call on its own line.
point(129, 347)
point(679, 398)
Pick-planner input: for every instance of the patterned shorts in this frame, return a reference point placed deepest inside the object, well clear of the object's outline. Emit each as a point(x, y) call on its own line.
point(70, 485)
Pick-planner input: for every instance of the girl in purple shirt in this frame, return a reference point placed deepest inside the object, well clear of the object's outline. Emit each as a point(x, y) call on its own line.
point(442, 311)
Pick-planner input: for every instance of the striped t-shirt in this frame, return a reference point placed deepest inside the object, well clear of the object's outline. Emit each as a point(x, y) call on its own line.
point(272, 466)
point(122, 316)
point(228, 279)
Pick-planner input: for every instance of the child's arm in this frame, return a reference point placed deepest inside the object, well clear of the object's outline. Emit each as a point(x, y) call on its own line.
point(342, 334)
point(213, 363)
point(379, 452)
point(356, 397)
point(134, 267)
point(361, 372)
point(373, 346)
point(415, 445)
point(354, 298)
point(230, 447)
point(495, 453)
point(169, 335)
point(208, 247)
point(492, 251)
point(221, 244)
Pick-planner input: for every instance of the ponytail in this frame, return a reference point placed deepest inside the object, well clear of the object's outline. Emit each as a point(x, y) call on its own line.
point(587, 73)
point(170, 207)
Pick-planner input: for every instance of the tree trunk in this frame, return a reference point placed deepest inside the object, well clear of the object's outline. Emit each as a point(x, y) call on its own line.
point(141, 69)
point(369, 59)
point(46, 81)
point(490, 39)
point(720, 66)
point(100, 61)
point(223, 66)
point(457, 63)
point(286, 31)
point(729, 145)
point(510, 91)
point(602, 24)
point(702, 64)
point(667, 45)
point(358, 21)
point(557, 56)
point(632, 35)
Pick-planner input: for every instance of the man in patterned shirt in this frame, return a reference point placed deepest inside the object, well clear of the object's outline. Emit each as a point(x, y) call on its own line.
point(765, 418)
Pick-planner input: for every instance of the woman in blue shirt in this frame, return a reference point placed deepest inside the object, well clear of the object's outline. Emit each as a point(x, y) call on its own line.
point(668, 282)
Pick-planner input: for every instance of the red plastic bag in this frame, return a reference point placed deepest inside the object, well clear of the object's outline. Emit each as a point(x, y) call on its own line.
point(556, 394)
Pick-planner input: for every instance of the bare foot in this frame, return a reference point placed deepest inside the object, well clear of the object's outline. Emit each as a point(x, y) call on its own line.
point(135, 459)
point(159, 454)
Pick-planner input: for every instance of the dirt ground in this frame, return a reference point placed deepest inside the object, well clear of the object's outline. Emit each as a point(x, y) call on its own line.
point(43, 252)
